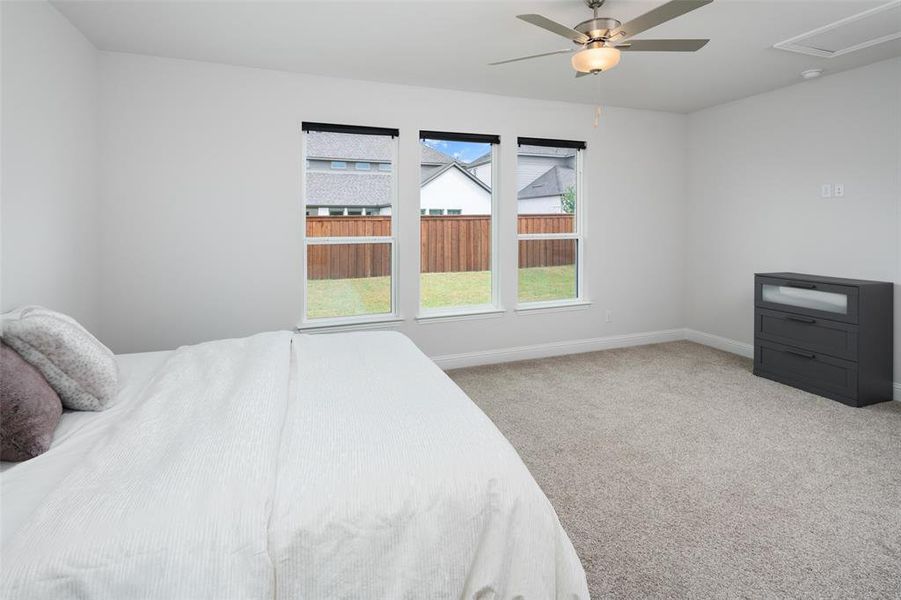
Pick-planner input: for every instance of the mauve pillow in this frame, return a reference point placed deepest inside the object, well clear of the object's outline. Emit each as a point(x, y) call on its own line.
point(29, 408)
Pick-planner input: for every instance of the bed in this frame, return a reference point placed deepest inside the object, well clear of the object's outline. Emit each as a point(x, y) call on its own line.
point(282, 466)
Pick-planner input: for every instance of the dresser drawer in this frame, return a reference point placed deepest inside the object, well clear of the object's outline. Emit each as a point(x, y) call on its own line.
point(816, 335)
point(810, 298)
point(811, 371)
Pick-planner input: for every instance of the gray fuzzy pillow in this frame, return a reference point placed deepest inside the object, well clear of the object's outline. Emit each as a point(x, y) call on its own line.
point(75, 364)
point(29, 409)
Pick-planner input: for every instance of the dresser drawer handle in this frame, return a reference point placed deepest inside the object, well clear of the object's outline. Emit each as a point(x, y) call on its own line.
point(802, 285)
point(800, 319)
point(801, 354)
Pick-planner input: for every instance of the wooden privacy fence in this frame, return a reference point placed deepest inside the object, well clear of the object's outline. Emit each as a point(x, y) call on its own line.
point(447, 244)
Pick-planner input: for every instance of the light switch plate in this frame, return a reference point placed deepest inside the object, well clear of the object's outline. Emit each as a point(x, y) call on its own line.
point(838, 190)
point(826, 191)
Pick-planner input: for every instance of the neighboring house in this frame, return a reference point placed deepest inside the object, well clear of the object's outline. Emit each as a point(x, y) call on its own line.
point(545, 194)
point(453, 190)
point(348, 175)
point(351, 175)
point(543, 176)
point(481, 168)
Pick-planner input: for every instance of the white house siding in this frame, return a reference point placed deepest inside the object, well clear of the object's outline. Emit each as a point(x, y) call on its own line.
point(322, 211)
point(483, 172)
point(540, 206)
point(454, 190)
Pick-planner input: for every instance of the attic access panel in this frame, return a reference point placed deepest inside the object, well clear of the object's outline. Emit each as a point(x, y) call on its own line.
point(863, 30)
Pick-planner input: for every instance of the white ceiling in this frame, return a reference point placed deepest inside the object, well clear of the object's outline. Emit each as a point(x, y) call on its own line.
point(446, 44)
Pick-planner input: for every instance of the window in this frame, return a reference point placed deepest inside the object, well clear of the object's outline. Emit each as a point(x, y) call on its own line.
point(458, 272)
point(349, 262)
point(363, 166)
point(549, 221)
point(336, 164)
point(384, 166)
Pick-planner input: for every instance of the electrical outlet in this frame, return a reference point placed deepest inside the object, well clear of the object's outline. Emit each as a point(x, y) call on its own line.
point(838, 190)
point(826, 190)
point(608, 317)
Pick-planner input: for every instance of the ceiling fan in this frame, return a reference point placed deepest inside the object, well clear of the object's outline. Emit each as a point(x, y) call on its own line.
point(600, 39)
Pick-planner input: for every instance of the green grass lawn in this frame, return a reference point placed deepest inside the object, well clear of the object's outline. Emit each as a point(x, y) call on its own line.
point(372, 295)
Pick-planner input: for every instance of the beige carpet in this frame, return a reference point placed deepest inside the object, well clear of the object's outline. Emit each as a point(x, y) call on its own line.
point(678, 474)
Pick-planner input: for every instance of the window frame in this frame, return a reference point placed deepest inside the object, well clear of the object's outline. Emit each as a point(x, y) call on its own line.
point(579, 233)
point(306, 242)
point(470, 310)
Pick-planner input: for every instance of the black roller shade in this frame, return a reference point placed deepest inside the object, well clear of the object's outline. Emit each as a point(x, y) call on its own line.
point(335, 128)
point(479, 138)
point(527, 141)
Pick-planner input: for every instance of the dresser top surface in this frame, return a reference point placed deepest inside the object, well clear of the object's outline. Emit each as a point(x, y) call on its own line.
point(823, 279)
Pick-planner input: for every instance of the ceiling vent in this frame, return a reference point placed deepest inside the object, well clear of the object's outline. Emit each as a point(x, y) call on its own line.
point(875, 26)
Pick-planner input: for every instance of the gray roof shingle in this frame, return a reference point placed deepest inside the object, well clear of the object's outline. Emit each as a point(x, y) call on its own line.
point(554, 182)
point(373, 148)
point(346, 146)
point(348, 189)
point(430, 156)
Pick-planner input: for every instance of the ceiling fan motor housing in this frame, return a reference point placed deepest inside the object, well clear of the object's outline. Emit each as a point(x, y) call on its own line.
point(597, 29)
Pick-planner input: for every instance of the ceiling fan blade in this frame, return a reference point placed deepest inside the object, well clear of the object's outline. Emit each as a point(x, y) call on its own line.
point(653, 18)
point(581, 74)
point(663, 45)
point(503, 62)
point(555, 27)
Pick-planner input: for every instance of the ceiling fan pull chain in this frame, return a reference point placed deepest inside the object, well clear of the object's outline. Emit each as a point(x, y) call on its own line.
point(597, 110)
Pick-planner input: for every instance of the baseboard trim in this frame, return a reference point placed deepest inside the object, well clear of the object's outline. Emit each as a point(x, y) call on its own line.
point(720, 343)
point(516, 353)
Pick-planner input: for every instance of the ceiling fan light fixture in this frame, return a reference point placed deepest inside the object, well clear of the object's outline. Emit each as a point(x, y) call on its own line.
point(596, 58)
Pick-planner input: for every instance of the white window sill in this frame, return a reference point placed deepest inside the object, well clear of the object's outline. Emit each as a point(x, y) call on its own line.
point(352, 324)
point(547, 307)
point(460, 315)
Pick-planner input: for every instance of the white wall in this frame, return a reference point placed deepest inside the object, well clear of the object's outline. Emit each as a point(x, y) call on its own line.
point(453, 189)
point(49, 207)
point(201, 203)
point(756, 167)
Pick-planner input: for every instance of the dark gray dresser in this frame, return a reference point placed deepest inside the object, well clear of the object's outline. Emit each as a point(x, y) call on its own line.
point(825, 335)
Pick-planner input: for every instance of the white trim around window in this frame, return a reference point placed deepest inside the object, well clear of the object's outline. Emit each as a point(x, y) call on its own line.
point(580, 301)
point(355, 321)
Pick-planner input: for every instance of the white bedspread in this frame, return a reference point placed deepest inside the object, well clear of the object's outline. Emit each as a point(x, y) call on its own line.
point(348, 467)
point(26, 484)
point(175, 503)
point(393, 484)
